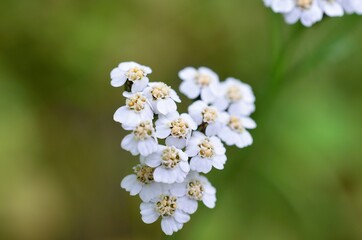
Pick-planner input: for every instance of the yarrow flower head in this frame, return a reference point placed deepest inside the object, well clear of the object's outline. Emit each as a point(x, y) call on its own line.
point(194, 189)
point(174, 148)
point(201, 82)
point(133, 72)
point(162, 98)
point(311, 11)
point(171, 164)
point(205, 152)
point(175, 128)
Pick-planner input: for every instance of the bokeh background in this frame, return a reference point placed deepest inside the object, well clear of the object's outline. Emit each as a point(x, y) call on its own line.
point(60, 160)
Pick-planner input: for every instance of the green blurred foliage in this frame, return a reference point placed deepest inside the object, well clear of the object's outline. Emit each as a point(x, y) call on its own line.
point(60, 160)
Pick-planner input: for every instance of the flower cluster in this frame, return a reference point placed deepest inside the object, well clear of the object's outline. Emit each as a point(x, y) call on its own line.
point(173, 148)
point(311, 11)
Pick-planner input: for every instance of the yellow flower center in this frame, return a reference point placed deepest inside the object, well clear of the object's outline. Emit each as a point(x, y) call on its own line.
point(166, 206)
point(209, 115)
point(136, 102)
point(179, 128)
point(144, 173)
point(195, 190)
point(305, 4)
point(170, 157)
point(206, 148)
point(135, 73)
point(233, 93)
point(144, 130)
point(235, 124)
point(203, 80)
point(160, 91)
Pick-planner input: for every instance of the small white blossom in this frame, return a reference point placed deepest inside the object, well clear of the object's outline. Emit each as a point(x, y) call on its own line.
point(210, 116)
point(133, 72)
point(201, 82)
point(234, 131)
point(142, 139)
point(237, 97)
point(171, 164)
point(307, 11)
point(175, 128)
point(205, 152)
point(137, 110)
point(162, 98)
point(195, 188)
point(169, 209)
point(142, 183)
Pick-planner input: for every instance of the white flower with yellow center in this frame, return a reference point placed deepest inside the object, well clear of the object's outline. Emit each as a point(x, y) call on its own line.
point(162, 98)
point(169, 209)
point(205, 152)
point(142, 183)
point(137, 110)
point(133, 72)
point(194, 189)
point(207, 116)
point(175, 128)
point(171, 164)
point(142, 139)
point(201, 82)
point(234, 131)
point(237, 97)
point(307, 11)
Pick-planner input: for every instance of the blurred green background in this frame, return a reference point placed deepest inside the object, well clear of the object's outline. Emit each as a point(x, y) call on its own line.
point(60, 160)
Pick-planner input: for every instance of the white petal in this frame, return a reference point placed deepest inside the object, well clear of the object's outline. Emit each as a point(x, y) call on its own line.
point(118, 78)
point(190, 89)
point(200, 164)
point(184, 165)
point(187, 205)
point(162, 131)
point(181, 217)
point(207, 95)
point(149, 215)
point(219, 161)
point(187, 73)
point(169, 225)
point(166, 106)
point(176, 142)
point(150, 191)
point(209, 200)
point(129, 143)
point(165, 175)
point(282, 6)
point(153, 160)
point(139, 85)
point(178, 189)
point(130, 184)
point(147, 146)
point(248, 123)
point(244, 140)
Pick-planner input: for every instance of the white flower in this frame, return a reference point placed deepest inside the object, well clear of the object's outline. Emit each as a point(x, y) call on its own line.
point(237, 97)
point(234, 131)
point(205, 153)
point(171, 164)
point(352, 6)
point(141, 140)
point(199, 81)
point(137, 110)
point(162, 98)
point(205, 115)
point(142, 183)
point(133, 72)
point(195, 188)
point(175, 128)
point(169, 209)
point(307, 11)
point(332, 8)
